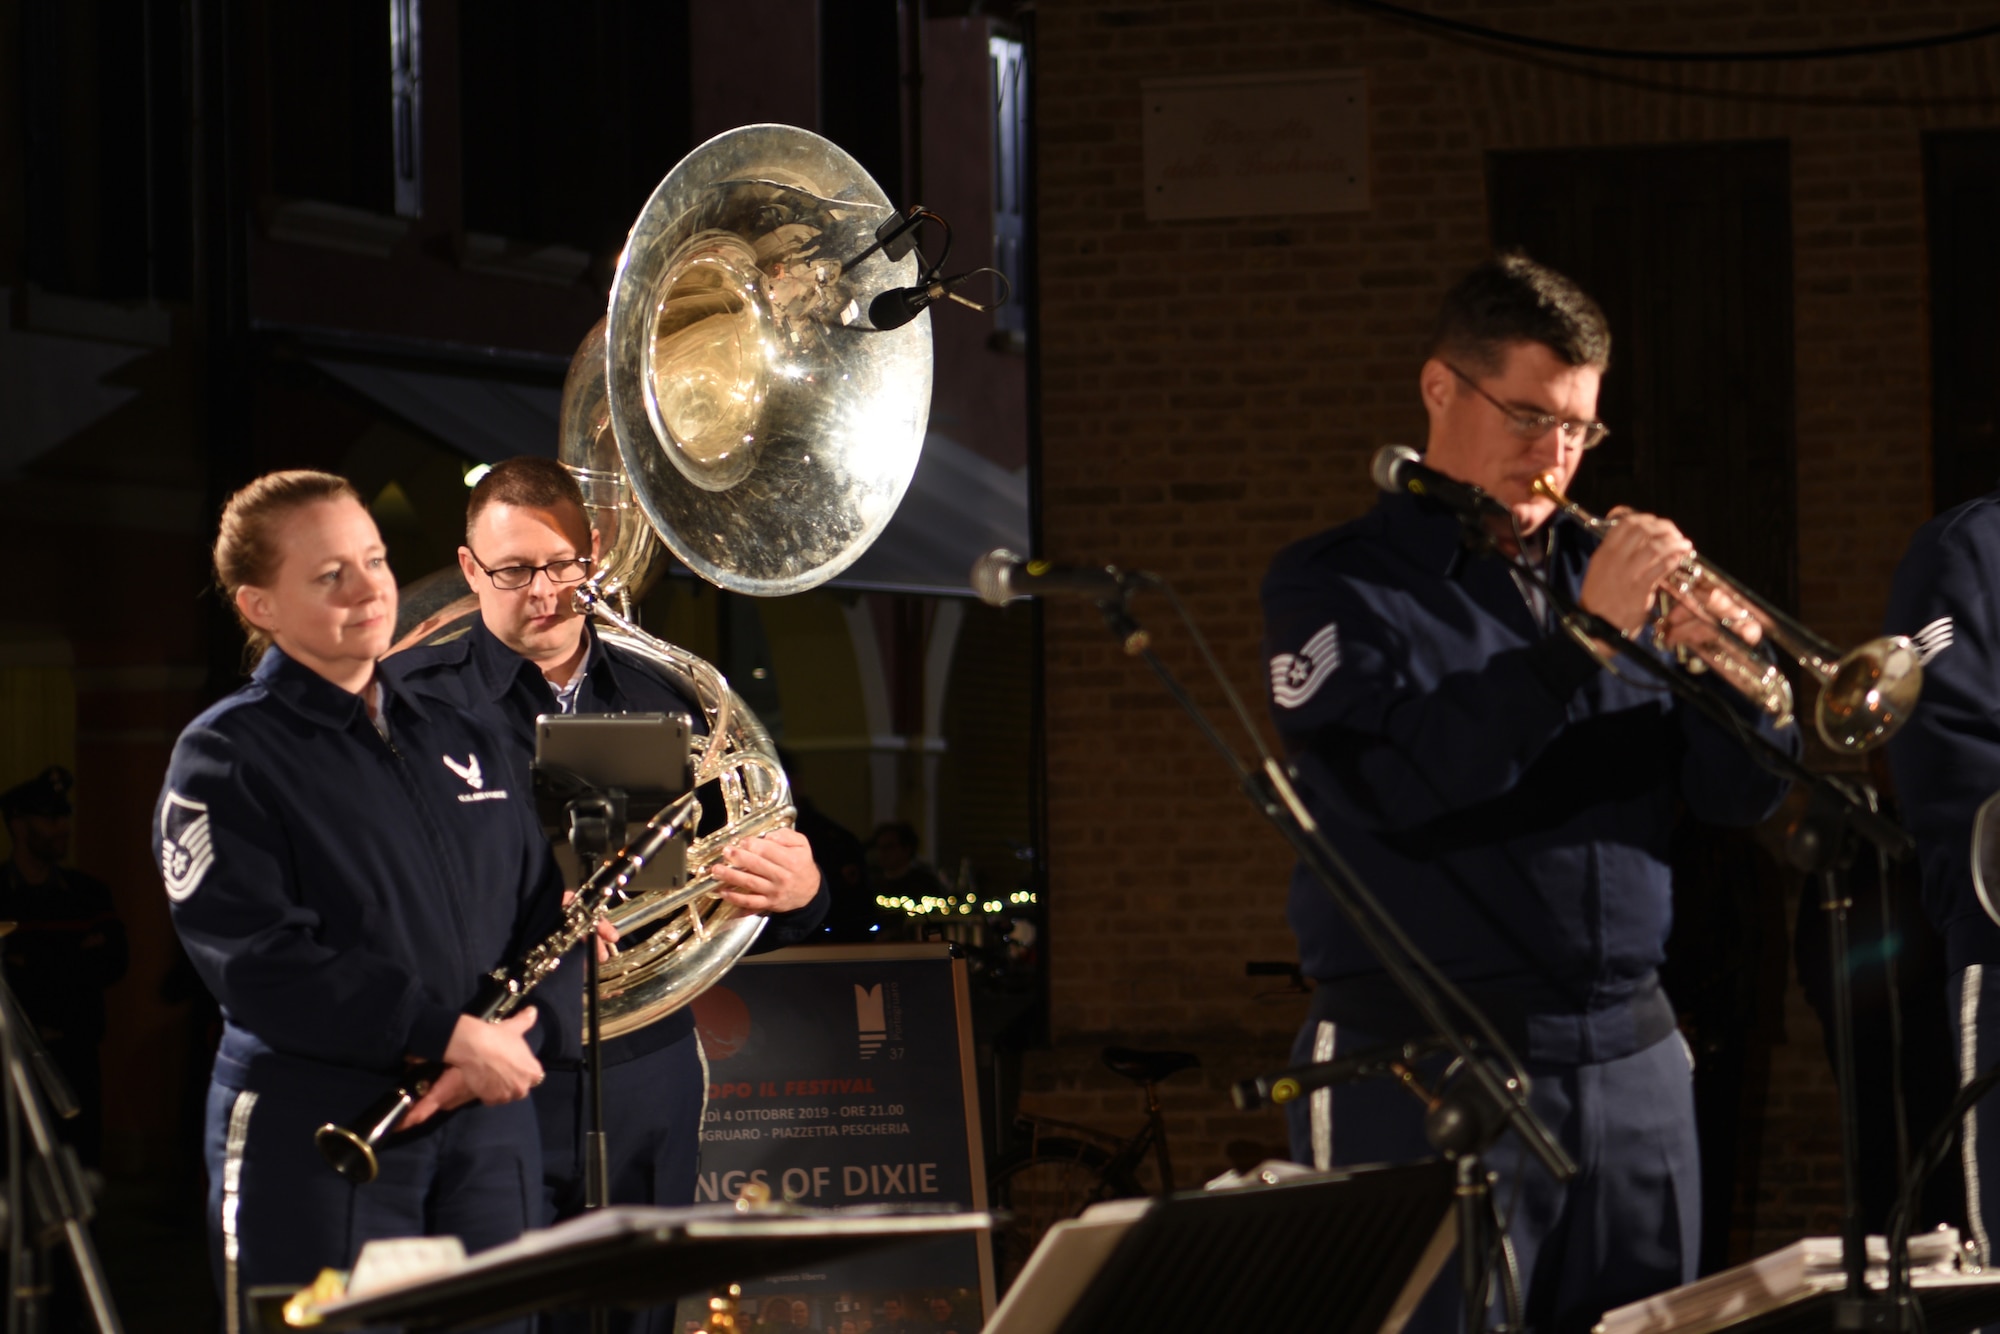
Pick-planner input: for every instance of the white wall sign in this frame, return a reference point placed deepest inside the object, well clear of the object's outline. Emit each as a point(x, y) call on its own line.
point(1246, 146)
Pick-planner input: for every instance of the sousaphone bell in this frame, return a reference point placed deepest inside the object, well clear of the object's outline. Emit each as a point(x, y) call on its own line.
point(737, 400)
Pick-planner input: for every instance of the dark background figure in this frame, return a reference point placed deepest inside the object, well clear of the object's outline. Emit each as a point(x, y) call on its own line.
point(774, 1315)
point(898, 874)
point(895, 1319)
point(66, 948)
point(851, 918)
point(944, 1316)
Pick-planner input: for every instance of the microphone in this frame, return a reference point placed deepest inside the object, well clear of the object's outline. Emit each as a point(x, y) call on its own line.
point(897, 306)
point(1289, 1085)
point(1001, 577)
point(1400, 468)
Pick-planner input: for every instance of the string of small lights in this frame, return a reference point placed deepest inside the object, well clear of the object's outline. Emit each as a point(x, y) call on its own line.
point(952, 905)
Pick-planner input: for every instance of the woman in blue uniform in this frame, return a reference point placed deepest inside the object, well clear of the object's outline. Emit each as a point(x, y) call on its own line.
point(344, 862)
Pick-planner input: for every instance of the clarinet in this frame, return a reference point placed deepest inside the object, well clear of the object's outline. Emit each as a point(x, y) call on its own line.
point(349, 1147)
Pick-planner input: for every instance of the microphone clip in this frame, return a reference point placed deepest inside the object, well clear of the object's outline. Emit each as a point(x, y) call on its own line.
point(896, 237)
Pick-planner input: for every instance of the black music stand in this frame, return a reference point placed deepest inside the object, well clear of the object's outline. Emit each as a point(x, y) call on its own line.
point(633, 1256)
point(1347, 1252)
point(1951, 1306)
point(589, 770)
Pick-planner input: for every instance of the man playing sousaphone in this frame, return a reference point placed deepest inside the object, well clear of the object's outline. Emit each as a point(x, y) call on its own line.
point(528, 546)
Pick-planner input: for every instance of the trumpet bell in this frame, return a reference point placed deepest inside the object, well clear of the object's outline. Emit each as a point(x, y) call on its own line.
point(1865, 694)
point(1870, 694)
point(768, 430)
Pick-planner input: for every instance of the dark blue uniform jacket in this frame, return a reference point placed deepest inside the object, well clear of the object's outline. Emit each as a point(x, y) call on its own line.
point(507, 692)
point(341, 895)
point(1507, 799)
point(1946, 760)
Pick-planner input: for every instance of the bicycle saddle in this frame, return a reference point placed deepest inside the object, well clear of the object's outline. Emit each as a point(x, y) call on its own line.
point(1146, 1067)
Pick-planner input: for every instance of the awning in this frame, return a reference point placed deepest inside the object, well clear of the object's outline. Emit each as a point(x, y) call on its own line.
point(53, 386)
point(487, 418)
point(960, 504)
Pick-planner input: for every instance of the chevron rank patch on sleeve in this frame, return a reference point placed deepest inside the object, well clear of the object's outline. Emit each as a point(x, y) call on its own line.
point(186, 848)
point(1932, 640)
point(1297, 677)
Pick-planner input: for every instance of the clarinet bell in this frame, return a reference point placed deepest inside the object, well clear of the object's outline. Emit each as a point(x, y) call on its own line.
point(350, 1149)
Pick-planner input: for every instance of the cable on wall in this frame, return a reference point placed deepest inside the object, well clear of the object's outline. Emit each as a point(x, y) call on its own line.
point(1555, 46)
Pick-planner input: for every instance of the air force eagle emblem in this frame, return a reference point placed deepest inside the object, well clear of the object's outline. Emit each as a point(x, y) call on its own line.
point(186, 848)
point(474, 779)
point(469, 771)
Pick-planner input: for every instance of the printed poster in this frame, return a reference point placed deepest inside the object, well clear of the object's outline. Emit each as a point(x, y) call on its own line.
point(843, 1075)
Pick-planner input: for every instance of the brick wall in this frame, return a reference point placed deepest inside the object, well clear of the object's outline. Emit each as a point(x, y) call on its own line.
point(1213, 389)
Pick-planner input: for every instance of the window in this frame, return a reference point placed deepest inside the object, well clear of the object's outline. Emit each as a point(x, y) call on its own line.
point(571, 114)
point(332, 118)
point(1010, 176)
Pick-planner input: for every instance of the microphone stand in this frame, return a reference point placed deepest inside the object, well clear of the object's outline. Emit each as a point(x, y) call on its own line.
point(1821, 845)
point(47, 1196)
point(1477, 1111)
point(596, 826)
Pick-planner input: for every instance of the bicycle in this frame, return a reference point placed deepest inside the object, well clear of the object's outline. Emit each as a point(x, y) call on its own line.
point(1063, 1168)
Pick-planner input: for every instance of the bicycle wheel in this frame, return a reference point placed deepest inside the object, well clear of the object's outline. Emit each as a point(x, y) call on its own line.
point(1041, 1186)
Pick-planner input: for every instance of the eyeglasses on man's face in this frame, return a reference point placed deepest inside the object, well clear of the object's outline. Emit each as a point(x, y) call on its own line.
point(509, 578)
point(1535, 425)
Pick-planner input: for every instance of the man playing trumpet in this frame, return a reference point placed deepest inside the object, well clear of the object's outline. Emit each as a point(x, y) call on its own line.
point(1510, 799)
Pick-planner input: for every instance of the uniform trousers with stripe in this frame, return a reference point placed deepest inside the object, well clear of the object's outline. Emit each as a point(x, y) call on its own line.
point(1974, 994)
point(278, 1214)
point(1626, 1227)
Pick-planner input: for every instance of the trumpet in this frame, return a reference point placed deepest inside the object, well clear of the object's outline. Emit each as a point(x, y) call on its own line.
point(349, 1147)
point(1865, 693)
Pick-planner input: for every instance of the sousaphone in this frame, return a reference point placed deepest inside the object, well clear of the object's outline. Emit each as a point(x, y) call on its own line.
point(736, 406)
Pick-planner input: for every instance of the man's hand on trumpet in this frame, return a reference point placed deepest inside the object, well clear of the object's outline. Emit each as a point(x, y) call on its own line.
point(1635, 556)
point(1635, 563)
point(1694, 626)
